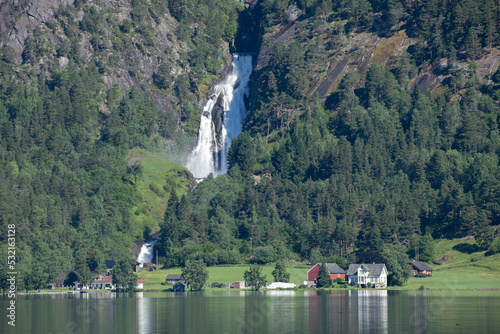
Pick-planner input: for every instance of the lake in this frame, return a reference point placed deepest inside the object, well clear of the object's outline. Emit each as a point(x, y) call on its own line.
point(336, 311)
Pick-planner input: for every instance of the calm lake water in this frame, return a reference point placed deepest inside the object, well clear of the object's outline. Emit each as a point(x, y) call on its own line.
point(354, 311)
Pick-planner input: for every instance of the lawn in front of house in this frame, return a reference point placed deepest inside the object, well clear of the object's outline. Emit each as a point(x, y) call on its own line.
point(466, 277)
point(219, 274)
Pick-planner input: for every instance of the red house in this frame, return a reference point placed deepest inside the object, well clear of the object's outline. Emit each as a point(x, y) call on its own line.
point(418, 267)
point(333, 269)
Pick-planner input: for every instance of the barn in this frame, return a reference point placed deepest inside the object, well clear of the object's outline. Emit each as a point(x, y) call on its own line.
point(333, 269)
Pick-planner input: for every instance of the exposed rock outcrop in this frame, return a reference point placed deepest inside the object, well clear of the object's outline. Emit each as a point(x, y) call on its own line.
point(127, 61)
point(19, 17)
point(218, 120)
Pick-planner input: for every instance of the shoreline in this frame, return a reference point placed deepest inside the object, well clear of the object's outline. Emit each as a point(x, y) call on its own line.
point(264, 290)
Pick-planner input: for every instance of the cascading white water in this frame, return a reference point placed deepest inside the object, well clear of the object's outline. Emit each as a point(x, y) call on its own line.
point(204, 160)
point(147, 253)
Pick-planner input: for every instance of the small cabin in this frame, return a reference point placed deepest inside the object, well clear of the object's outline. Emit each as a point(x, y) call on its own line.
point(418, 267)
point(239, 285)
point(175, 278)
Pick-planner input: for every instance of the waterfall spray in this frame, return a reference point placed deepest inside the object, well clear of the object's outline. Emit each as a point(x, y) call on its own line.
point(210, 154)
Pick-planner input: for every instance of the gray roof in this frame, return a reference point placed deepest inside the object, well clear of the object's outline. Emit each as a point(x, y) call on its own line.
point(332, 268)
point(109, 264)
point(374, 269)
point(420, 265)
point(174, 277)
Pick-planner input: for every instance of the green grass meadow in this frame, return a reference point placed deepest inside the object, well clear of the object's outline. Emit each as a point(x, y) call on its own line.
point(159, 177)
point(219, 274)
point(463, 267)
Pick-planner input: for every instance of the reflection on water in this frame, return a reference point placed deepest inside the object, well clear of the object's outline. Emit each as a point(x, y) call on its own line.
point(236, 311)
point(372, 308)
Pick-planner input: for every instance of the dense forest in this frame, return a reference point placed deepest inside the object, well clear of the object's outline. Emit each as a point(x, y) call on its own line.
point(365, 173)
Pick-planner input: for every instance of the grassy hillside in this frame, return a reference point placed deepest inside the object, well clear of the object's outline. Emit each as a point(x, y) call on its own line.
point(463, 266)
point(158, 178)
point(466, 277)
point(462, 253)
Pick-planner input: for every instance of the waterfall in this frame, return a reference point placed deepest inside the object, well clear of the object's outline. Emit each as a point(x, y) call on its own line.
point(147, 253)
point(210, 154)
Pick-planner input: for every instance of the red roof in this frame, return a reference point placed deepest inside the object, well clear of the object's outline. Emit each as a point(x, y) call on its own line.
point(140, 281)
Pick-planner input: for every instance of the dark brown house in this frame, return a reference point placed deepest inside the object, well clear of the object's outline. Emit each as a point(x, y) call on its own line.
point(418, 267)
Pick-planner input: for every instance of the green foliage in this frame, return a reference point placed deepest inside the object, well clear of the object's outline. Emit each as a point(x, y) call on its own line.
point(254, 278)
point(280, 274)
point(324, 280)
point(195, 274)
point(339, 280)
point(421, 275)
point(426, 248)
point(495, 246)
point(375, 165)
point(123, 276)
point(242, 153)
point(396, 261)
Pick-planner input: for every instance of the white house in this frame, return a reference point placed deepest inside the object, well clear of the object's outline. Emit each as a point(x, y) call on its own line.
point(102, 282)
point(376, 274)
point(99, 282)
point(140, 284)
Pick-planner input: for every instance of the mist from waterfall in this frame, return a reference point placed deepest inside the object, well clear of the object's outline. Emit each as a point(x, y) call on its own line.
point(147, 253)
point(209, 156)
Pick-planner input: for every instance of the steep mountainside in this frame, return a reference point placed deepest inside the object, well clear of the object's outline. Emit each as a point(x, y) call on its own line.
point(135, 43)
point(342, 158)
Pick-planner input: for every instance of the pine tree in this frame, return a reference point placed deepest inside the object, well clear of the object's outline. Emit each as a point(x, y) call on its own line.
point(280, 274)
point(324, 280)
point(123, 276)
point(426, 247)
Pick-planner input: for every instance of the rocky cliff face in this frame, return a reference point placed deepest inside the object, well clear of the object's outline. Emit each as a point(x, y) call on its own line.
point(49, 34)
point(18, 18)
point(342, 52)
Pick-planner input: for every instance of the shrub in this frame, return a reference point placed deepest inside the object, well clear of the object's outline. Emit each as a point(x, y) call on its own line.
point(264, 254)
point(421, 287)
point(475, 258)
point(339, 280)
point(369, 285)
point(495, 246)
point(302, 286)
point(421, 275)
point(154, 188)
